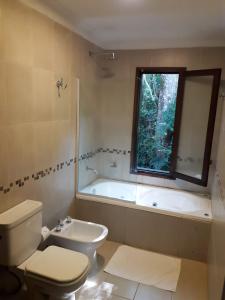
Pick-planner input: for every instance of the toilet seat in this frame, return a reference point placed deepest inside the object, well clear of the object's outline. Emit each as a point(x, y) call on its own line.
point(57, 272)
point(58, 265)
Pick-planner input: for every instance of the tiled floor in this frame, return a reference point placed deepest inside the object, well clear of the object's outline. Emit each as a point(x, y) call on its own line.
point(192, 283)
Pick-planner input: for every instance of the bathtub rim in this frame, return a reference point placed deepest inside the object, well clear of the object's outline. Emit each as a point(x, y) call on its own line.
point(133, 205)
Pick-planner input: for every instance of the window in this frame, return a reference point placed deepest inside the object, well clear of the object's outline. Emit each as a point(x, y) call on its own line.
point(157, 105)
point(174, 114)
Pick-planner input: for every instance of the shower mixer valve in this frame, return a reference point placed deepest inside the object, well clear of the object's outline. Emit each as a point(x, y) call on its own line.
point(60, 85)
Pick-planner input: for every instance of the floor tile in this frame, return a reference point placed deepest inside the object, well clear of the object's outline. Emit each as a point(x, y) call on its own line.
point(122, 287)
point(104, 286)
point(145, 292)
point(192, 283)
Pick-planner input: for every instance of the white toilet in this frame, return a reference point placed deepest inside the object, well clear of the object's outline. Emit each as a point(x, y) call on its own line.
point(55, 273)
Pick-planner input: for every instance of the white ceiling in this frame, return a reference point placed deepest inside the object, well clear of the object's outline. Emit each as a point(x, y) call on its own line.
point(141, 24)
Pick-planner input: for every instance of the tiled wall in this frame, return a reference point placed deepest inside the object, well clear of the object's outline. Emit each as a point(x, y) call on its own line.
point(148, 230)
point(216, 257)
point(115, 103)
point(117, 96)
point(37, 128)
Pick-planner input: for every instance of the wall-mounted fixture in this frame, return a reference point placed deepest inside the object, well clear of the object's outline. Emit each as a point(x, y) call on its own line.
point(61, 86)
point(92, 169)
point(113, 164)
point(110, 55)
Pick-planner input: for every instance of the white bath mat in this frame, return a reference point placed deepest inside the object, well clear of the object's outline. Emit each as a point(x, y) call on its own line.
point(145, 267)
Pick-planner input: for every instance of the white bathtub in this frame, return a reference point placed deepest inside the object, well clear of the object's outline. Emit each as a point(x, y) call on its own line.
point(162, 200)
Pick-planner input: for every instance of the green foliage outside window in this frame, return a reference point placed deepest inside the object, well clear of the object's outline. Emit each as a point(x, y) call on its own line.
point(157, 108)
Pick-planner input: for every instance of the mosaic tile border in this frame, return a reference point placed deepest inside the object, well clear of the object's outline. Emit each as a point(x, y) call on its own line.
point(37, 175)
point(48, 171)
point(116, 151)
point(91, 154)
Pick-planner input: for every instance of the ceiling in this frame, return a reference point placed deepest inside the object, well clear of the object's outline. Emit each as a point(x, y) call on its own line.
point(141, 24)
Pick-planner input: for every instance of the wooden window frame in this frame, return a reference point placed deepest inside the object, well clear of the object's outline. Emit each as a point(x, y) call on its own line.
point(183, 74)
point(216, 73)
point(146, 70)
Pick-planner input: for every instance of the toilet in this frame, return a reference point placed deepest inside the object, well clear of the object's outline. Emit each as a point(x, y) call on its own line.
point(55, 273)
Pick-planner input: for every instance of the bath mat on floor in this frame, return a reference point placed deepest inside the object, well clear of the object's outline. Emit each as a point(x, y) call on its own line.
point(145, 267)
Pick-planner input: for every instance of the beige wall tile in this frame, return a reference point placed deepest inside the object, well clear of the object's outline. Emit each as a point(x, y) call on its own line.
point(74, 85)
point(62, 49)
point(63, 141)
point(44, 145)
point(217, 243)
point(4, 158)
point(215, 283)
point(42, 41)
point(162, 58)
point(148, 230)
point(89, 65)
point(17, 32)
point(190, 58)
point(194, 239)
point(152, 231)
point(3, 107)
point(76, 56)
point(1, 29)
point(20, 140)
point(19, 93)
point(37, 129)
point(43, 94)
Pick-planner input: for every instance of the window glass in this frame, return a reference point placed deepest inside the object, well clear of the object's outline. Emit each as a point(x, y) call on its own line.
point(156, 117)
point(194, 124)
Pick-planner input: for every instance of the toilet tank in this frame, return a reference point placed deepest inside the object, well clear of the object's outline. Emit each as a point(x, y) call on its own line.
point(20, 232)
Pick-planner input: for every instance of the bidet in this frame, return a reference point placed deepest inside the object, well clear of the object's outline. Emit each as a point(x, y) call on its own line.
point(80, 236)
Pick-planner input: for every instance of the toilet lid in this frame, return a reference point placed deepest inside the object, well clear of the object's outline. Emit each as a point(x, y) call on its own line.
point(58, 264)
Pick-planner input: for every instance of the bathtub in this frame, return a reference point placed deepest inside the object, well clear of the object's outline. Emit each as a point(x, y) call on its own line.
point(151, 198)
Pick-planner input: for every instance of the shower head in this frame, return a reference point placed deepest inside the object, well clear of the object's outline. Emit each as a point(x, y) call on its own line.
point(107, 54)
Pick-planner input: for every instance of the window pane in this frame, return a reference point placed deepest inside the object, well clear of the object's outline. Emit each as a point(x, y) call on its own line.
point(157, 107)
point(195, 115)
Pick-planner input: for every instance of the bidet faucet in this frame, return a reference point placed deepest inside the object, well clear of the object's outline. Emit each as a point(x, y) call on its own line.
point(68, 219)
point(58, 228)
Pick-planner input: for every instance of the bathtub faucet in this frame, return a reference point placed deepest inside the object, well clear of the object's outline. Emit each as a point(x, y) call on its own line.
point(113, 164)
point(91, 169)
